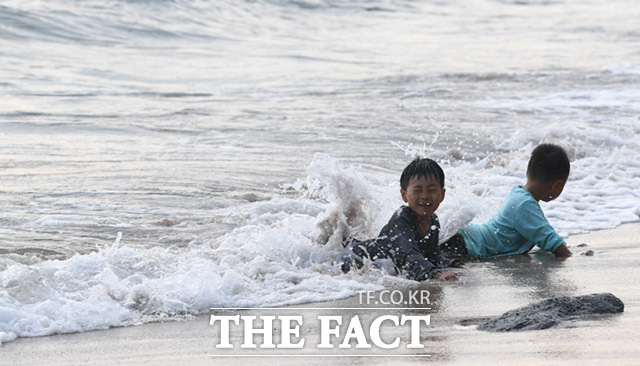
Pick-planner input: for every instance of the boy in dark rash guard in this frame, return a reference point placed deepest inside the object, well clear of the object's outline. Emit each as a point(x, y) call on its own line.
point(410, 238)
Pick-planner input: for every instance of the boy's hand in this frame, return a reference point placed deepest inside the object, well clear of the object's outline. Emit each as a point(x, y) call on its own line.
point(562, 251)
point(447, 276)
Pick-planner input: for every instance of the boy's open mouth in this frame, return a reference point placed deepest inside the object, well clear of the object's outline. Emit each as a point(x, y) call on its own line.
point(427, 204)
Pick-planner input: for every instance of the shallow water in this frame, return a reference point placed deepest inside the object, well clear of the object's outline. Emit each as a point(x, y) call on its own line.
point(215, 135)
point(486, 289)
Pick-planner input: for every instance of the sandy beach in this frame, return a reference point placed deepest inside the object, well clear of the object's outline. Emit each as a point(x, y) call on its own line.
point(486, 289)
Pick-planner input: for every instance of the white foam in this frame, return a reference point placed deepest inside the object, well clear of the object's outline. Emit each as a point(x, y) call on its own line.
point(53, 220)
point(602, 188)
point(286, 250)
point(624, 69)
point(270, 260)
point(582, 104)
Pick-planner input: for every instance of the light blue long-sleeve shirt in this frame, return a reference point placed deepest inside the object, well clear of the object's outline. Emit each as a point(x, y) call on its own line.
point(515, 229)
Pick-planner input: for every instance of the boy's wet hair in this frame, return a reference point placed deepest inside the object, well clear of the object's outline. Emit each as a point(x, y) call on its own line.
point(548, 163)
point(421, 168)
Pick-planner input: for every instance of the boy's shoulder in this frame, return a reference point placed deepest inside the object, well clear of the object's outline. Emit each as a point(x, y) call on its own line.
point(519, 204)
point(519, 196)
point(400, 214)
point(403, 212)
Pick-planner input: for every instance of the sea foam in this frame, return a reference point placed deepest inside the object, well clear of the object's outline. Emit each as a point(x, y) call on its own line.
point(286, 250)
point(273, 259)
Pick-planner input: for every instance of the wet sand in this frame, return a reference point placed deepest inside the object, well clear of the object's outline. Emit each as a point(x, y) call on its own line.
point(486, 289)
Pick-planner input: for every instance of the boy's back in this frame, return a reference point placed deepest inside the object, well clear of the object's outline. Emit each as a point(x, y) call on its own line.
point(520, 223)
point(516, 228)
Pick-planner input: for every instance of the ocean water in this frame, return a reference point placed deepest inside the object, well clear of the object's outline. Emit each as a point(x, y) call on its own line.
point(163, 157)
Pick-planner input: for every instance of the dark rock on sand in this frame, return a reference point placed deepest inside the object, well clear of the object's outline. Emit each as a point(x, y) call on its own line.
point(551, 312)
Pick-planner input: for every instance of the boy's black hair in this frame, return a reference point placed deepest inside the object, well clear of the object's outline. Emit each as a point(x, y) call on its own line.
point(421, 167)
point(548, 163)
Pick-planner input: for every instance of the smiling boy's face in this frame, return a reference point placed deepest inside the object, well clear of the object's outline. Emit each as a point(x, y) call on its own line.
point(423, 195)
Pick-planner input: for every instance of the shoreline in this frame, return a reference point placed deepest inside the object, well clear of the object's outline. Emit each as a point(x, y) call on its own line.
point(486, 289)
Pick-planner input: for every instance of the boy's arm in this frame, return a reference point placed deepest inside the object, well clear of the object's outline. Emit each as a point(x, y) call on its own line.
point(406, 255)
point(534, 226)
point(434, 253)
point(443, 262)
point(418, 268)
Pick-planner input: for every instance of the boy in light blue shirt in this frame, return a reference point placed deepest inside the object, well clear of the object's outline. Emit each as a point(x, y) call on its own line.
point(520, 224)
